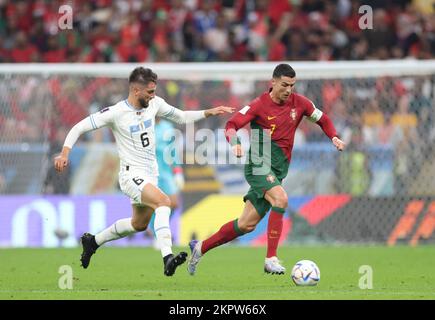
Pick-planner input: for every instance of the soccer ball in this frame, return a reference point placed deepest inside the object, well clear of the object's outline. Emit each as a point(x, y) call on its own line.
point(305, 273)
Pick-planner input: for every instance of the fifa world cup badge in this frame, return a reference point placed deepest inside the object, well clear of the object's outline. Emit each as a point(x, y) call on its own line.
point(293, 114)
point(270, 178)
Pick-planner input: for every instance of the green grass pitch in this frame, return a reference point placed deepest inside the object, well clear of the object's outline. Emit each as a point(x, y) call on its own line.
point(229, 272)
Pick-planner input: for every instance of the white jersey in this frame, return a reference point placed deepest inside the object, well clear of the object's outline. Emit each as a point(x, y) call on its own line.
point(133, 130)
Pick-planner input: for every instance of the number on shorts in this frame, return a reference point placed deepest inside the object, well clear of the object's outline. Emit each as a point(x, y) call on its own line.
point(138, 181)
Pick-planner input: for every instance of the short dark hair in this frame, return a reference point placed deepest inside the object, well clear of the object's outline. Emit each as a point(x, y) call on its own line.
point(285, 70)
point(142, 75)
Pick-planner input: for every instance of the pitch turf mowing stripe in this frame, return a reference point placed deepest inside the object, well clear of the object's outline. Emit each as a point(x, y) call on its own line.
point(229, 272)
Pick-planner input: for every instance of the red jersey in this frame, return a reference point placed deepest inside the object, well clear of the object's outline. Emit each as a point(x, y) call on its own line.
point(281, 120)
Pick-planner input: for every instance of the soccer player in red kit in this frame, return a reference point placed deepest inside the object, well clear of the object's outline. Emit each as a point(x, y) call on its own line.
point(274, 117)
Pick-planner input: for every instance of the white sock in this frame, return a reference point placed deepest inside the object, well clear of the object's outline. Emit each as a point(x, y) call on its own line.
point(119, 229)
point(162, 230)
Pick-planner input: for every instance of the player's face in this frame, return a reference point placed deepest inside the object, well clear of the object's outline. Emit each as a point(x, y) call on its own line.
point(145, 93)
point(282, 88)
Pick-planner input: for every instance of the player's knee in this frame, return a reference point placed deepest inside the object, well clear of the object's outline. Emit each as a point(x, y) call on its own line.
point(281, 201)
point(174, 203)
point(163, 201)
point(139, 226)
point(247, 227)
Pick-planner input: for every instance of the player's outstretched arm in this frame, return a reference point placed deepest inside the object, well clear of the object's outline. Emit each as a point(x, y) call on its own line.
point(237, 121)
point(61, 160)
point(328, 128)
point(182, 117)
point(218, 111)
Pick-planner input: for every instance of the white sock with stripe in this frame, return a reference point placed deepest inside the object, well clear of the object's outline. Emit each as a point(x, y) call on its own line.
point(162, 230)
point(119, 229)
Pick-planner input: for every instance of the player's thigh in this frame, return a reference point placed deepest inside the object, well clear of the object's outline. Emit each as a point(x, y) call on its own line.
point(153, 197)
point(132, 182)
point(261, 183)
point(277, 196)
point(249, 217)
point(257, 200)
point(260, 186)
point(141, 216)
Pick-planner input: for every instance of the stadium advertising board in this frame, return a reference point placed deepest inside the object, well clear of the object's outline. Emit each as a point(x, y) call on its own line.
point(59, 221)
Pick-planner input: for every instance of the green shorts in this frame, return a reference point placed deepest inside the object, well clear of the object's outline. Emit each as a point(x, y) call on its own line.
point(259, 185)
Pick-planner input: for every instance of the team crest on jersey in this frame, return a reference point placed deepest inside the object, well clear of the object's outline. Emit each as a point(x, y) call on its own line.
point(270, 178)
point(293, 114)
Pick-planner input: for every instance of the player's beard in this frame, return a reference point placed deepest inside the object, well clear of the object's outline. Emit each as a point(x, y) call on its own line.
point(143, 103)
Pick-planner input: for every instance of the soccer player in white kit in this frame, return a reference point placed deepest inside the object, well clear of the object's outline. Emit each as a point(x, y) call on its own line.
point(132, 122)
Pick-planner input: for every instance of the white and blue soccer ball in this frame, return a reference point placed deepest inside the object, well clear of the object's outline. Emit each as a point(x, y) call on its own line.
point(305, 273)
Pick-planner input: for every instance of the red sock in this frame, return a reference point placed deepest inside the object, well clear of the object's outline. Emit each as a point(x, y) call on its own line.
point(274, 229)
point(226, 233)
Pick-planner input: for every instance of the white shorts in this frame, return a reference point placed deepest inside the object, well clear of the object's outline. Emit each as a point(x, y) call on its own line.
point(132, 181)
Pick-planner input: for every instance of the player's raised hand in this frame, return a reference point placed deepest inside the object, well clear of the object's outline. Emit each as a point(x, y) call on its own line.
point(338, 143)
point(237, 150)
point(218, 111)
point(60, 162)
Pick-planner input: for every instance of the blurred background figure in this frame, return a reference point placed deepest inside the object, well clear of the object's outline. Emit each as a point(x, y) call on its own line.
point(171, 177)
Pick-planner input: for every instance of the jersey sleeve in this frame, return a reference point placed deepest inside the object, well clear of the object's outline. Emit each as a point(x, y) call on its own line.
point(171, 113)
point(94, 121)
point(310, 110)
point(102, 118)
point(316, 115)
point(164, 110)
point(239, 120)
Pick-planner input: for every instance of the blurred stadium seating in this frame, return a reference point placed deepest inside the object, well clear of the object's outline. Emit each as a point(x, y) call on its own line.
point(214, 30)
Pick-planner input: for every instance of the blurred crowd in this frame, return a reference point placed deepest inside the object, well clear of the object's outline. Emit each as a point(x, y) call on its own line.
point(215, 30)
point(390, 113)
point(379, 111)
